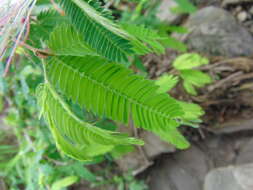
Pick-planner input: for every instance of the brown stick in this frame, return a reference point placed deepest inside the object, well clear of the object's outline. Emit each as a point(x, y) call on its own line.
point(136, 135)
point(36, 50)
point(223, 81)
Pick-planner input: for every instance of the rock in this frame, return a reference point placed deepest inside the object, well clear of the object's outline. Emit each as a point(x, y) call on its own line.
point(216, 32)
point(242, 16)
point(134, 161)
point(230, 178)
point(238, 9)
point(234, 126)
point(164, 12)
point(243, 176)
point(142, 157)
point(222, 179)
point(184, 170)
point(220, 150)
point(248, 23)
point(245, 153)
point(251, 10)
point(154, 146)
point(187, 170)
point(251, 29)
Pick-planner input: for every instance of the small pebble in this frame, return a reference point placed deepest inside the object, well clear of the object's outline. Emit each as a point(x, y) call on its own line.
point(251, 10)
point(248, 23)
point(238, 9)
point(251, 29)
point(242, 16)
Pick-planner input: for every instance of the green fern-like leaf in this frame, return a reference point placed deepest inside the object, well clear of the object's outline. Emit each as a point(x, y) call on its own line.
point(194, 78)
point(65, 40)
point(74, 137)
point(113, 91)
point(97, 5)
point(142, 36)
point(189, 61)
point(174, 137)
point(166, 82)
point(191, 111)
point(43, 26)
point(98, 31)
point(146, 40)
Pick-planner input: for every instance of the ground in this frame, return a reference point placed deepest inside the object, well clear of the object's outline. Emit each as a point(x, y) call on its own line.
point(225, 136)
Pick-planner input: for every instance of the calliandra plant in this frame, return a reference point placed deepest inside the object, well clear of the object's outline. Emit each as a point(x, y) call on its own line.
point(14, 21)
point(87, 65)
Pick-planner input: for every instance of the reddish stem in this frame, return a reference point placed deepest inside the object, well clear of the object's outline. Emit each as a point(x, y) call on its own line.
point(57, 8)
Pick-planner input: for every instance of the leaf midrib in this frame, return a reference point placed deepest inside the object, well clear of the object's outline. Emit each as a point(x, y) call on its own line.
point(114, 91)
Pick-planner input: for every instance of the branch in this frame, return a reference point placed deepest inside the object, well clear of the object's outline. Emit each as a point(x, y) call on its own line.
point(36, 51)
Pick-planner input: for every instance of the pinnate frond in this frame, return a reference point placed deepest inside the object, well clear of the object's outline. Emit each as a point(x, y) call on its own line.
point(107, 38)
point(113, 91)
point(65, 40)
point(44, 24)
point(74, 137)
point(145, 40)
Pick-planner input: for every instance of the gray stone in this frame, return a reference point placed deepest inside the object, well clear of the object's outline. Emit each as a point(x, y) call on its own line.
point(248, 23)
point(221, 179)
point(154, 146)
point(234, 126)
point(187, 170)
point(214, 31)
point(142, 157)
point(230, 178)
point(238, 9)
point(251, 29)
point(134, 161)
point(164, 12)
point(245, 153)
point(183, 171)
point(220, 150)
point(242, 16)
point(251, 10)
point(244, 175)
